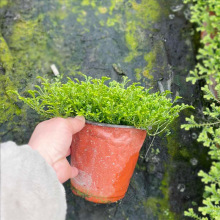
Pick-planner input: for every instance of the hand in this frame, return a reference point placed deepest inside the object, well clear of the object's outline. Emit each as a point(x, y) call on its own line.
point(52, 139)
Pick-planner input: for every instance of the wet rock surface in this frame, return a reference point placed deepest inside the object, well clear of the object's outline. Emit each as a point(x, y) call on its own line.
point(149, 41)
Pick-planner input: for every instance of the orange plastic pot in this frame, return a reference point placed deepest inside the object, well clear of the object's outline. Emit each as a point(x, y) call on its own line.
point(105, 156)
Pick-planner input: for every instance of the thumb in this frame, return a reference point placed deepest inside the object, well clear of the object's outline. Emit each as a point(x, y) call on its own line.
point(76, 124)
point(64, 171)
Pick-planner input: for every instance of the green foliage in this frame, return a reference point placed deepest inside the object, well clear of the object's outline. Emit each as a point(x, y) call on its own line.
point(206, 14)
point(210, 136)
point(118, 103)
point(7, 108)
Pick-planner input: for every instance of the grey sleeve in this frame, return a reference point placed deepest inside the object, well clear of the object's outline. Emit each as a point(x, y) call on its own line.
point(30, 189)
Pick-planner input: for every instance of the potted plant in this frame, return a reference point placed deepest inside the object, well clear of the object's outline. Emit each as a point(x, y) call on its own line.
point(119, 115)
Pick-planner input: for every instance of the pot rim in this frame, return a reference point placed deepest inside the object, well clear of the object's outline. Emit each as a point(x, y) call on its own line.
point(112, 125)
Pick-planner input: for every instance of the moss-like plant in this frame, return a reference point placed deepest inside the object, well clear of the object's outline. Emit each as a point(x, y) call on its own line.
point(115, 103)
point(206, 14)
point(210, 137)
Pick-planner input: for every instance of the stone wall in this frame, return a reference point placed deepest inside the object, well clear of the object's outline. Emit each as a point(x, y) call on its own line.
point(150, 41)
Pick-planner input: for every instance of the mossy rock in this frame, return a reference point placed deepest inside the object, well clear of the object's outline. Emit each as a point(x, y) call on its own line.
point(137, 38)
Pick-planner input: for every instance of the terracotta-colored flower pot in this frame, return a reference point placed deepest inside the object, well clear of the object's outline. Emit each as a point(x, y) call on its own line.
point(106, 156)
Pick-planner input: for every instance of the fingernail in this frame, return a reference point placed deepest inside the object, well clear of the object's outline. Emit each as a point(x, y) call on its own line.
point(81, 118)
